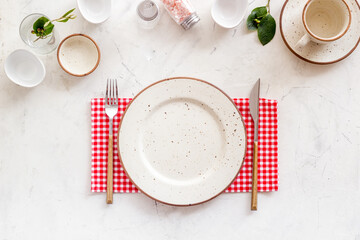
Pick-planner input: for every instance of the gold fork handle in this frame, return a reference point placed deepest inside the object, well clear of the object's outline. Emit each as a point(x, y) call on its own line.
point(254, 178)
point(109, 185)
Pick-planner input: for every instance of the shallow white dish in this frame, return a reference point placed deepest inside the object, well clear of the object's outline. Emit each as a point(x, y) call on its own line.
point(292, 29)
point(182, 141)
point(78, 55)
point(95, 11)
point(24, 68)
point(229, 13)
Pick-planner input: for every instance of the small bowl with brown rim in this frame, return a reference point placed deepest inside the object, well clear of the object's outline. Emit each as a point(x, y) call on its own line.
point(78, 55)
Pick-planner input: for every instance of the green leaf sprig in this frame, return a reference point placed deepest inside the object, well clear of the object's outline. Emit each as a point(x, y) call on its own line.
point(43, 26)
point(261, 20)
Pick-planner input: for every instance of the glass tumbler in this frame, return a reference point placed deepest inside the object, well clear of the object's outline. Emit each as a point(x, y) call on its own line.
point(41, 46)
point(148, 14)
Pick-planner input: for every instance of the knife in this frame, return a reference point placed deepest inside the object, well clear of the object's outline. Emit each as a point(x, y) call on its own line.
point(254, 111)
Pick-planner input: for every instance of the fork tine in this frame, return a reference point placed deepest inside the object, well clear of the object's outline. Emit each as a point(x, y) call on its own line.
point(117, 96)
point(113, 89)
point(111, 95)
point(110, 91)
point(107, 92)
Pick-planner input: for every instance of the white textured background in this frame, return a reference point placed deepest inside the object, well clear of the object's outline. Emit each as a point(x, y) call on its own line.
point(45, 133)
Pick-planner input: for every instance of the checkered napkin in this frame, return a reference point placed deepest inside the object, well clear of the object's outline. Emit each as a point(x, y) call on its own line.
point(267, 158)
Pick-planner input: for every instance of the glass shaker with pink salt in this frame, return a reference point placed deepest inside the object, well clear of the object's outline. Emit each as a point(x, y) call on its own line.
point(182, 11)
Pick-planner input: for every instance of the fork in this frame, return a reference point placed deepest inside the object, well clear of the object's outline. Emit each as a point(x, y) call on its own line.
point(111, 108)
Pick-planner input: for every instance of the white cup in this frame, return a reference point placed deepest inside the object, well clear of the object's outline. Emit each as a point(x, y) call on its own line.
point(24, 68)
point(324, 21)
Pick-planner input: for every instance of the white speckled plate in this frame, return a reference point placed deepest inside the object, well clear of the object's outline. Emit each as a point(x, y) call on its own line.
point(182, 141)
point(292, 29)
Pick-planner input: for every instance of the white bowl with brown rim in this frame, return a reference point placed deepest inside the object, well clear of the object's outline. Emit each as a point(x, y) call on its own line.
point(78, 55)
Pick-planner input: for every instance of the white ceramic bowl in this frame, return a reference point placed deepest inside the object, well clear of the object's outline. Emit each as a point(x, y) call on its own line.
point(78, 55)
point(229, 13)
point(24, 68)
point(95, 11)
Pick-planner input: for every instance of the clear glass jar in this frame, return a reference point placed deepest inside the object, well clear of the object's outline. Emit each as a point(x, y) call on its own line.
point(182, 11)
point(148, 14)
point(42, 46)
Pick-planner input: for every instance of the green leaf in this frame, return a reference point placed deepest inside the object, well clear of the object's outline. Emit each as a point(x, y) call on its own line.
point(43, 26)
point(250, 22)
point(68, 12)
point(39, 23)
point(255, 16)
point(260, 11)
point(48, 29)
point(64, 20)
point(266, 29)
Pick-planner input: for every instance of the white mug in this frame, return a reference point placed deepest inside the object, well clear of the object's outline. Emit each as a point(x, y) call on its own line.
point(324, 21)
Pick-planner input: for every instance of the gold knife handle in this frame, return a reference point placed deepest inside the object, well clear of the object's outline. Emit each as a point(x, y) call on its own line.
point(109, 184)
point(254, 178)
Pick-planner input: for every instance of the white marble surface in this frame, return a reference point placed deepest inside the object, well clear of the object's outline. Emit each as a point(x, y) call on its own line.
point(45, 133)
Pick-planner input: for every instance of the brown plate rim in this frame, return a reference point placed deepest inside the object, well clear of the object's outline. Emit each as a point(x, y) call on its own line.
point(305, 59)
point(97, 48)
point(168, 79)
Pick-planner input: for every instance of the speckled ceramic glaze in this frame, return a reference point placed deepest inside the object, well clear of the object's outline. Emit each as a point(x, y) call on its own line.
point(292, 30)
point(182, 141)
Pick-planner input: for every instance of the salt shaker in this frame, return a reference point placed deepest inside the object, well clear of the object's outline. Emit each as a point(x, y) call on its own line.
point(182, 12)
point(148, 13)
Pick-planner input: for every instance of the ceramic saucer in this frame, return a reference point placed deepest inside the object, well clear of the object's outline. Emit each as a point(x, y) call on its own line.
point(292, 29)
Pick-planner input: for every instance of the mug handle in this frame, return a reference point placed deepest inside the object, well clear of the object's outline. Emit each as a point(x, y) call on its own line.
point(303, 41)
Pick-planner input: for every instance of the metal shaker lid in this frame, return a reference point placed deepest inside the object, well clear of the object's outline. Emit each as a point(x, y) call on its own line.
point(190, 21)
point(148, 10)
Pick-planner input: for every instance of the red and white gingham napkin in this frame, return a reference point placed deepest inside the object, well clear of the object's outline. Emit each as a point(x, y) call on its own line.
point(267, 159)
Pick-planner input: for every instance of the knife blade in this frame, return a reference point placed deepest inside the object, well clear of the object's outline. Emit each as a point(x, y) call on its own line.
point(254, 111)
